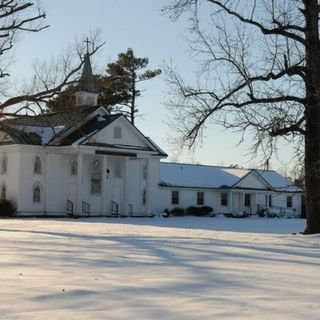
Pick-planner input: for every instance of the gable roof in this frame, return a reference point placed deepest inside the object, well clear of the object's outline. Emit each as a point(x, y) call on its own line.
point(22, 137)
point(50, 119)
point(149, 145)
point(277, 181)
point(215, 177)
point(66, 128)
point(93, 125)
point(42, 129)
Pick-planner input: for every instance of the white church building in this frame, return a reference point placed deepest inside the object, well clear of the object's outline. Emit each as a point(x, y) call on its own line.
point(94, 163)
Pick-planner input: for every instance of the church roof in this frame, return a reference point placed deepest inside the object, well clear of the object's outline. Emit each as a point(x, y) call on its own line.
point(95, 124)
point(51, 119)
point(23, 137)
point(41, 129)
point(66, 128)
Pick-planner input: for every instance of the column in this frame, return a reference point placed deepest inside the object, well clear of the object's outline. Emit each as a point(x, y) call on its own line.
point(104, 182)
point(231, 201)
point(125, 203)
point(80, 174)
point(149, 186)
point(241, 204)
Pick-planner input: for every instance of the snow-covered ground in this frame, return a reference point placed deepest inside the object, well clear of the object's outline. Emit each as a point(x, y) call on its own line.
point(176, 268)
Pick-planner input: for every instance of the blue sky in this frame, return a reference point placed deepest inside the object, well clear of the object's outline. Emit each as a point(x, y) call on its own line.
point(140, 25)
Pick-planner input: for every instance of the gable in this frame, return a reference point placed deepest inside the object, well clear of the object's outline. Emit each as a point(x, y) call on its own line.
point(252, 181)
point(120, 133)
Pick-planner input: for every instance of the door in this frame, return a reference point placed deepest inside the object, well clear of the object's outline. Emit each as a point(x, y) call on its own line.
point(236, 202)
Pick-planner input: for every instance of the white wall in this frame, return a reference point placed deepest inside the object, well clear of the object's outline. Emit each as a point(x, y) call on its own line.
point(251, 181)
point(187, 198)
point(58, 185)
point(129, 136)
point(212, 198)
point(55, 180)
point(11, 177)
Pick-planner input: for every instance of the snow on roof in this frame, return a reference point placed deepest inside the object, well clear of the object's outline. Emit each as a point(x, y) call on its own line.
point(199, 176)
point(277, 181)
point(205, 176)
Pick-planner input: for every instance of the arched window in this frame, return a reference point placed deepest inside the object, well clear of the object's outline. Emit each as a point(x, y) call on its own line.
point(36, 193)
point(4, 164)
point(37, 166)
point(3, 191)
point(96, 177)
point(117, 132)
point(74, 167)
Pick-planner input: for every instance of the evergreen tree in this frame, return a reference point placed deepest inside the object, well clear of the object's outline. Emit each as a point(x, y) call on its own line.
point(117, 88)
point(123, 77)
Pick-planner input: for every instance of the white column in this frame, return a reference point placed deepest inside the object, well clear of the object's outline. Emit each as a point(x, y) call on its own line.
point(80, 174)
point(149, 186)
point(231, 201)
point(255, 204)
point(125, 204)
point(104, 182)
point(241, 205)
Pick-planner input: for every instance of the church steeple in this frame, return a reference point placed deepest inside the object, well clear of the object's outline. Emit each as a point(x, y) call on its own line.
point(87, 94)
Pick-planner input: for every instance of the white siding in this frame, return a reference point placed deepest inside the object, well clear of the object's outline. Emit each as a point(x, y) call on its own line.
point(129, 136)
point(251, 181)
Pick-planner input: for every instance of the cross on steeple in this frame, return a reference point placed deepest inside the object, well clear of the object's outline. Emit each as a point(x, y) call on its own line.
point(86, 94)
point(87, 41)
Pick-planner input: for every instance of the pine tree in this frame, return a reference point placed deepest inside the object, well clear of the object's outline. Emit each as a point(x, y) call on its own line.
point(123, 77)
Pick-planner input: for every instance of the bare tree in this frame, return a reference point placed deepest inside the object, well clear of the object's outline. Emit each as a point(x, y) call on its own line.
point(260, 74)
point(22, 16)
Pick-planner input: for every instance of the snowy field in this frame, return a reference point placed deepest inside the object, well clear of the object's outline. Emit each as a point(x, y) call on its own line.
point(177, 268)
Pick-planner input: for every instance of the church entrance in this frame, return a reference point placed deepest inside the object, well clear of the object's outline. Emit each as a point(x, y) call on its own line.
point(117, 184)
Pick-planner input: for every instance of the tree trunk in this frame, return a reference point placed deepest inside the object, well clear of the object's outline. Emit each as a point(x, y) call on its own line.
point(133, 99)
point(312, 115)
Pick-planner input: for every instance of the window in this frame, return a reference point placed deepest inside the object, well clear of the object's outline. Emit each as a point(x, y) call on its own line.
point(3, 191)
point(79, 101)
point(117, 132)
point(36, 194)
point(74, 167)
point(247, 200)
point(270, 200)
point(144, 196)
point(175, 197)
point(4, 164)
point(289, 202)
point(200, 198)
point(96, 177)
point(224, 199)
point(90, 101)
point(37, 166)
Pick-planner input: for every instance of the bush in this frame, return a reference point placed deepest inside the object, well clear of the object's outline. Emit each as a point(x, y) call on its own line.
point(6, 208)
point(177, 212)
point(166, 213)
point(207, 210)
point(199, 211)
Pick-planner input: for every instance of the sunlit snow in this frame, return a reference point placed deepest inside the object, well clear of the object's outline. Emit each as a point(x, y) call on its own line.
point(176, 268)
